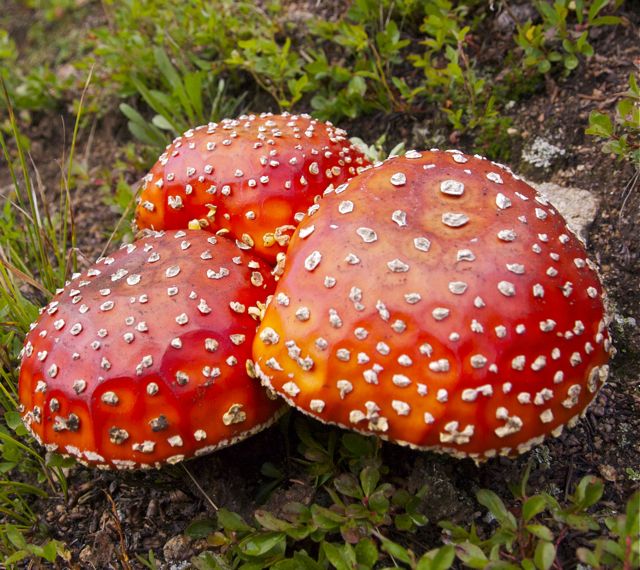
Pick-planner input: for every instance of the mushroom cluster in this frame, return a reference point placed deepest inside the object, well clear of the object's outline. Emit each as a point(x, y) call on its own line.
point(434, 300)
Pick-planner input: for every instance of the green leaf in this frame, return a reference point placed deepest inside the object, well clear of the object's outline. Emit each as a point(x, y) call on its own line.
point(403, 522)
point(271, 522)
point(162, 123)
point(132, 114)
point(144, 134)
point(378, 502)
point(532, 507)
point(589, 491)
point(16, 537)
point(50, 551)
point(586, 556)
point(348, 485)
point(342, 556)
point(232, 521)
point(395, 550)
point(57, 460)
point(261, 544)
point(268, 469)
point(325, 518)
point(571, 62)
point(357, 86)
point(193, 89)
point(633, 85)
point(200, 528)
point(438, 559)
point(614, 548)
point(606, 21)
point(540, 531)
point(173, 79)
point(595, 8)
point(582, 522)
point(544, 66)
point(545, 555)
point(366, 552)
point(497, 508)
point(599, 125)
point(369, 479)
point(300, 561)
point(13, 420)
point(471, 555)
point(16, 557)
point(632, 522)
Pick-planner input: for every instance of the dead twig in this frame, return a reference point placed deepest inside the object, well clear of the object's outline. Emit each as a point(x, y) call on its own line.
point(124, 557)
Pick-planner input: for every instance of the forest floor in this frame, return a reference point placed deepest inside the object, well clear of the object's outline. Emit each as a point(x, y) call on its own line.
point(108, 518)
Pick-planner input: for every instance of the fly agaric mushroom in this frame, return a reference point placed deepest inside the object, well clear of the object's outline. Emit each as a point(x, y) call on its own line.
point(437, 301)
point(141, 360)
point(253, 177)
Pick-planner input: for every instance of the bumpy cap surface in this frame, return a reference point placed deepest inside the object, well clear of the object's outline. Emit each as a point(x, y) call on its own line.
point(437, 301)
point(254, 177)
point(141, 360)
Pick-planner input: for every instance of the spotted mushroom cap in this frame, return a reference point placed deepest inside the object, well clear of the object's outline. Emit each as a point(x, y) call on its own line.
point(437, 301)
point(142, 359)
point(254, 177)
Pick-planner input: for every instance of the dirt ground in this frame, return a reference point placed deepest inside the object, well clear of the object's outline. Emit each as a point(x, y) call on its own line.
point(110, 517)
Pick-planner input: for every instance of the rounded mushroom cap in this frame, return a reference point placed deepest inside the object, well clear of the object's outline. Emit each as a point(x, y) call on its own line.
point(437, 301)
point(253, 177)
point(142, 359)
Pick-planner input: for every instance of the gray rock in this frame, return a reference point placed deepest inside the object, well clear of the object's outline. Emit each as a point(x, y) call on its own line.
point(579, 207)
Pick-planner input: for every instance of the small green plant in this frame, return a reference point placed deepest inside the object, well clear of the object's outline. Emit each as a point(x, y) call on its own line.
point(621, 548)
point(32, 88)
point(276, 69)
point(562, 36)
point(351, 523)
point(620, 134)
point(529, 536)
point(198, 35)
point(376, 152)
point(453, 83)
point(23, 550)
point(186, 99)
point(148, 561)
point(370, 48)
point(37, 254)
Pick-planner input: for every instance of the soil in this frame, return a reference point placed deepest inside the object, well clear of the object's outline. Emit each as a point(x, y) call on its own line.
point(109, 518)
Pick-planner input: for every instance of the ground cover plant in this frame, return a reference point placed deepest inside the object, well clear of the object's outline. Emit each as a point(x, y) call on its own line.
point(488, 77)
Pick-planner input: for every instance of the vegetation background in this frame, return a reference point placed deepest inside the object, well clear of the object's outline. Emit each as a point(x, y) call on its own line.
point(92, 91)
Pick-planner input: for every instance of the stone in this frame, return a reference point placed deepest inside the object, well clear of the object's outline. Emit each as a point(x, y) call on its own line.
point(177, 548)
point(579, 207)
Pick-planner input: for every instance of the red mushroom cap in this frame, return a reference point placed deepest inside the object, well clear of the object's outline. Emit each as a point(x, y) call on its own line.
point(142, 359)
point(437, 301)
point(253, 177)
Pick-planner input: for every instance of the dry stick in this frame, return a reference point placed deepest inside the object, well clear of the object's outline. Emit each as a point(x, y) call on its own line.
point(124, 557)
point(199, 487)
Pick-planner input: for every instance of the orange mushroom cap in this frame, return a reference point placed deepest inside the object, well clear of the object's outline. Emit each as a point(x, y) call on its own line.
point(438, 301)
point(253, 177)
point(142, 359)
